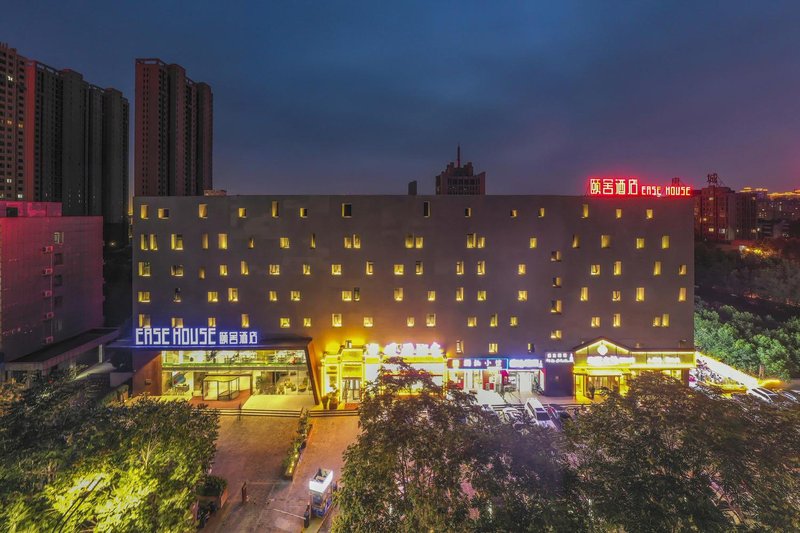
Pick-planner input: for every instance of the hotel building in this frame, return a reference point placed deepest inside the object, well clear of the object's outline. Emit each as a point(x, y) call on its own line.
point(310, 294)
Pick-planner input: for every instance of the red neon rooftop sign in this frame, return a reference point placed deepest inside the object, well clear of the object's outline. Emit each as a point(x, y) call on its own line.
point(630, 186)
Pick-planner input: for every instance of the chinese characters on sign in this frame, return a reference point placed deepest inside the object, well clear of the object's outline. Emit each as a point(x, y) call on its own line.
point(194, 337)
point(522, 364)
point(559, 357)
point(630, 186)
point(477, 363)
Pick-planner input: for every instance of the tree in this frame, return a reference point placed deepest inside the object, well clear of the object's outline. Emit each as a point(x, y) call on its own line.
point(70, 463)
point(664, 458)
point(433, 462)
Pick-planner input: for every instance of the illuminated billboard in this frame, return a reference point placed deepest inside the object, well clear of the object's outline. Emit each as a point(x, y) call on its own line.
point(193, 337)
point(630, 186)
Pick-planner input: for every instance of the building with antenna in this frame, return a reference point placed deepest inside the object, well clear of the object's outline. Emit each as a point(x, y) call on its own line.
point(458, 180)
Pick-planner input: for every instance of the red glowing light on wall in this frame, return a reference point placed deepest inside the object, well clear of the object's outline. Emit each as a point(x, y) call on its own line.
point(630, 186)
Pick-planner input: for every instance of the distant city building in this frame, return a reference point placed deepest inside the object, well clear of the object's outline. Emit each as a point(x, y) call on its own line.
point(776, 205)
point(51, 310)
point(69, 142)
point(174, 130)
point(458, 180)
point(722, 214)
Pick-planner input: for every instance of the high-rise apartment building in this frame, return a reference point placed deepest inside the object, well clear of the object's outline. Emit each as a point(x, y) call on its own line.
point(174, 131)
point(460, 180)
point(722, 214)
point(12, 123)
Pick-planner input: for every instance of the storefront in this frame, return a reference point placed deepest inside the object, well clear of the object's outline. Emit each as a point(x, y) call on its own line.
point(603, 366)
point(495, 379)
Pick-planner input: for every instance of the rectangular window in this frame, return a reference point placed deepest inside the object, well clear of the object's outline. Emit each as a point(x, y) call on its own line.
point(555, 307)
point(682, 270)
point(201, 273)
point(430, 320)
point(276, 209)
point(370, 268)
point(426, 209)
point(144, 320)
point(251, 242)
point(204, 241)
point(557, 282)
point(513, 321)
point(594, 269)
point(418, 268)
point(284, 242)
point(144, 212)
point(274, 270)
point(303, 212)
point(348, 242)
point(223, 270)
point(244, 270)
point(144, 244)
point(616, 296)
point(245, 318)
point(306, 269)
point(533, 242)
point(398, 294)
point(460, 294)
point(144, 269)
point(521, 269)
point(294, 296)
point(176, 296)
point(202, 210)
point(285, 322)
point(242, 212)
point(431, 296)
point(555, 256)
point(522, 296)
point(616, 320)
point(639, 294)
point(471, 240)
point(336, 269)
point(213, 296)
point(468, 212)
point(619, 213)
point(312, 242)
point(222, 241)
point(481, 269)
point(665, 241)
point(347, 296)
point(682, 294)
point(212, 321)
point(307, 322)
point(368, 322)
point(493, 347)
point(541, 212)
point(481, 296)
point(144, 297)
point(176, 271)
point(459, 268)
point(605, 241)
point(399, 269)
point(555, 334)
point(410, 321)
point(617, 268)
point(347, 210)
point(585, 211)
point(459, 346)
point(163, 212)
point(409, 241)
point(177, 322)
point(472, 321)
point(493, 320)
point(576, 241)
point(273, 296)
point(657, 268)
point(639, 243)
point(233, 295)
point(336, 320)
point(584, 294)
point(595, 323)
point(418, 242)
point(648, 214)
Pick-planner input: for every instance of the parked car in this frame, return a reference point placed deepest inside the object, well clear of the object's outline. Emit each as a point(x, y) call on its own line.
point(538, 414)
point(559, 415)
point(509, 415)
point(765, 395)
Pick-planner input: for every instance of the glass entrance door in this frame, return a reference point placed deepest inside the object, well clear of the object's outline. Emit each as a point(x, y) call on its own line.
point(352, 389)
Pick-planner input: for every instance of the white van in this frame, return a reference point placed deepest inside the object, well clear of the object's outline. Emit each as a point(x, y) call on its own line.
point(537, 413)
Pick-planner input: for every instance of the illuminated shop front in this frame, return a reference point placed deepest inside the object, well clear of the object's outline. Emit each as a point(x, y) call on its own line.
point(602, 365)
point(500, 375)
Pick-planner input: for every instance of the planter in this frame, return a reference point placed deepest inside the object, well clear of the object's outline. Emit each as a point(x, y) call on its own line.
point(218, 500)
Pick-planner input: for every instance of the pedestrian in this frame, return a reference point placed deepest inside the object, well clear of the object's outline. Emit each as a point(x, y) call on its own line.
point(244, 492)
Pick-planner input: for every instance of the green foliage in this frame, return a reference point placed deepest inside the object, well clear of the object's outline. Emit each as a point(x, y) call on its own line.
point(747, 341)
point(69, 461)
point(213, 486)
point(664, 458)
point(293, 455)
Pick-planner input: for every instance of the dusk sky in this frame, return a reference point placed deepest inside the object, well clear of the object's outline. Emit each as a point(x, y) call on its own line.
point(362, 97)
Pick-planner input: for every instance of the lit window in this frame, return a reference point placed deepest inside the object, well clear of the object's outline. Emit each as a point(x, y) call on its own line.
point(493, 320)
point(144, 211)
point(619, 213)
point(481, 296)
point(555, 307)
point(522, 296)
point(144, 297)
point(176, 271)
point(201, 273)
point(616, 320)
point(370, 268)
point(682, 270)
point(657, 268)
point(682, 294)
point(306, 269)
point(605, 241)
point(656, 321)
point(285, 322)
point(347, 296)
point(410, 321)
point(273, 296)
point(616, 296)
point(356, 294)
point(541, 212)
point(513, 213)
point(251, 242)
point(223, 270)
point(356, 241)
point(368, 322)
point(468, 212)
point(557, 282)
point(242, 212)
point(459, 268)
point(639, 294)
point(245, 318)
point(555, 334)
point(648, 214)
point(617, 268)
point(399, 269)
point(153, 242)
point(347, 210)
point(521, 269)
point(492, 347)
point(418, 242)
point(244, 270)
point(426, 209)
point(177, 322)
point(222, 241)
point(665, 241)
point(472, 321)
point(584, 294)
point(639, 243)
point(284, 242)
point(144, 269)
point(294, 296)
point(348, 242)
point(471, 239)
point(176, 296)
point(312, 243)
point(398, 294)
point(303, 212)
point(336, 269)
point(594, 270)
point(595, 323)
point(352, 241)
point(204, 241)
point(431, 296)
point(307, 322)
point(481, 270)
point(585, 211)
point(418, 268)
point(336, 320)
point(409, 241)
point(274, 269)
point(576, 241)
point(555, 256)
point(459, 346)
point(430, 320)
point(531, 347)
point(202, 210)
point(233, 295)
point(533, 242)
point(163, 212)
point(276, 209)
point(176, 241)
point(513, 321)
point(460, 294)
point(144, 320)
point(212, 321)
